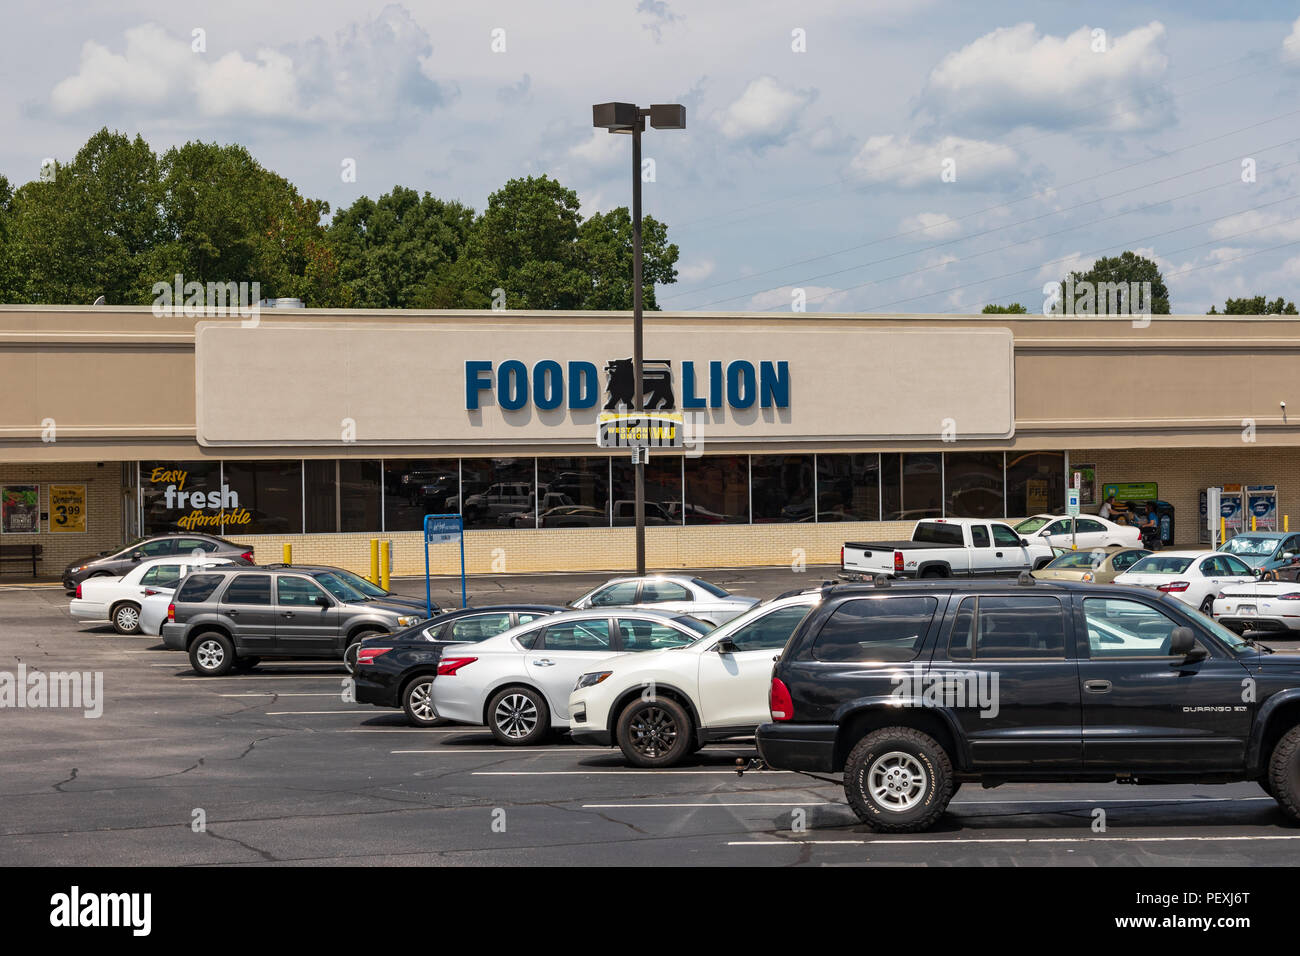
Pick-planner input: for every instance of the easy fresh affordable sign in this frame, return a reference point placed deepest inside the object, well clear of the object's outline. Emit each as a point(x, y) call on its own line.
point(196, 509)
point(67, 509)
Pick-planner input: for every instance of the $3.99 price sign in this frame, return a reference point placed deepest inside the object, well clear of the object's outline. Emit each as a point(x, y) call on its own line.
point(68, 509)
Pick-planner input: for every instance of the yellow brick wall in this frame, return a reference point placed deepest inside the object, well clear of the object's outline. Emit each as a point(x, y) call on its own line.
point(103, 514)
point(1182, 473)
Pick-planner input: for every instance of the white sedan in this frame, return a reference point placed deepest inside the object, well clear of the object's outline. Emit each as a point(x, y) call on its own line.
point(678, 594)
point(118, 600)
point(1260, 606)
point(1193, 577)
point(518, 682)
point(1094, 531)
point(661, 707)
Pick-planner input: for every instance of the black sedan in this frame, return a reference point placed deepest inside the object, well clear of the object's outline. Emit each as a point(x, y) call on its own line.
point(397, 670)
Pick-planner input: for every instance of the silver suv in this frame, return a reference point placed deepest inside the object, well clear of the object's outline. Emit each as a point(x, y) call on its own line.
point(231, 618)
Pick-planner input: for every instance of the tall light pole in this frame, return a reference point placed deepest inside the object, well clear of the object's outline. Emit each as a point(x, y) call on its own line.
point(630, 118)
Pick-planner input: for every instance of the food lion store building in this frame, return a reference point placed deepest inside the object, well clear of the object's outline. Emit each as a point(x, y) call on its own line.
point(325, 429)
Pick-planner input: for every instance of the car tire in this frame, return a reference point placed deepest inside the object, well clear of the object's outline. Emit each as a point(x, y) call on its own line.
point(654, 733)
point(353, 646)
point(1283, 782)
point(212, 654)
point(1207, 606)
point(126, 618)
point(898, 780)
point(518, 716)
point(417, 702)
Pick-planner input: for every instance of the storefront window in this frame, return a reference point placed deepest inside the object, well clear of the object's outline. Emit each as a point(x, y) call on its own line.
point(848, 487)
point(269, 495)
point(574, 492)
point(717, 490)
point(498, 492)
point(183, 496)
point(342, 495)
point(782, 487)
point(973, 484)
point(663, 491)
point(1035, 483)
point(912, 485)
point(415, 487)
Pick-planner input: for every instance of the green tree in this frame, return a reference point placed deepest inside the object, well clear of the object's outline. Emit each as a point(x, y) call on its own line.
point(8, 274)
point(1126, 268)
point(88, 229)
point(401, 251)
point(1015, 308)
point(605, 248)
point(1256, 305)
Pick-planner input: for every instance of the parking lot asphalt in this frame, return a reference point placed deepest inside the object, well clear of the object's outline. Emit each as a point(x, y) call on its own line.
point(275, 767)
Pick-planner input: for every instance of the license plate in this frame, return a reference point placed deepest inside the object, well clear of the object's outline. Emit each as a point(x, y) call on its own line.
point(1246, 609)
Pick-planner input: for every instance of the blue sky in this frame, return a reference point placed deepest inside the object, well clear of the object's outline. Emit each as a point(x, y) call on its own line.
point(818, 170)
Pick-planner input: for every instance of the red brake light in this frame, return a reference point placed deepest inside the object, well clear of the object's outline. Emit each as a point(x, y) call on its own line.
point(367, 655)
point(1293, 596)
point(779, 701)
point(841, 557)
point(1174, 586)
point(449, 665)
point(78, 592)
point(898, 561)
point(247, 556)
point(171, 613)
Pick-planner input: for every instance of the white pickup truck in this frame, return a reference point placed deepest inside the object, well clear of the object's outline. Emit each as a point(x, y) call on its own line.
point(944, 548)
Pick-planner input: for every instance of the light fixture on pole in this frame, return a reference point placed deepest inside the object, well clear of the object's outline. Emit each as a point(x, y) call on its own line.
point(630, 118)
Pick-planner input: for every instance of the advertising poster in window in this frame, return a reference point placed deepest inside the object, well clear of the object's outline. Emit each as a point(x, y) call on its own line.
point(20, 509)
point(1262, 504)
point(67, 509)
point(1035, 495)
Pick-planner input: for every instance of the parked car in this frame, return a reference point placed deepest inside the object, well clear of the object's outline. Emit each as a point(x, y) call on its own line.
point(113, 564)
point(233, 617)
point(1093, 531)
point(661, 706)
point(944, 548)
point(923, 686)
point(1193, 577)
point(1098, 565)
point(1263, 550)
point(1272, 606)
point(678, 594)
point(118, 600)
point(624, 514)
point(397, 670)
point(368, 588)
point(518, 682)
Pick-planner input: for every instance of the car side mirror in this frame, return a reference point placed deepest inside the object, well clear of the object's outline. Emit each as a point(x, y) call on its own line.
point(322, 600)
point(137, 555)
point(1182, 643)
point(726, 646)
point(1024, 542)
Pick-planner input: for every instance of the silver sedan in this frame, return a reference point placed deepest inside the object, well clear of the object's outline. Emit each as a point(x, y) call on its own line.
point(677, 594)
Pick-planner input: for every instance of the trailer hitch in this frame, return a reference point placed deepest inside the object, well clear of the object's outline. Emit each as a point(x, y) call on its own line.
point(753, 763)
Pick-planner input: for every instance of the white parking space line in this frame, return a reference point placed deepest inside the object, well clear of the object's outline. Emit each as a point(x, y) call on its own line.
point(1024, 840)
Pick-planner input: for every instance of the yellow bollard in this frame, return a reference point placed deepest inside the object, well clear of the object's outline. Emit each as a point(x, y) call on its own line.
point(288, 554)
point(1252, 522)
point(1223, 530)
point(385, 558)
point(374, 560)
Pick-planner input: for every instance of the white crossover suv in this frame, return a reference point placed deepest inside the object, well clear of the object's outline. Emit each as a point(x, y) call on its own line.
point(661, 706)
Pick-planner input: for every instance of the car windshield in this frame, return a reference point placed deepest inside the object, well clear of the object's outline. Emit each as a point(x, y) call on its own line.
point(361, 584)
point(711, 588)
point(1251, 546)
point(1078, 559)
point(1030, 525)
point(1236, 642)
point(1160, 565)
point(338, 587)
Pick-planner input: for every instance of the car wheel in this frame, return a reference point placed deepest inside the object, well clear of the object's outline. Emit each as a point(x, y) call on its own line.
point(518, 716)
point(212, 654)
point(126, 618)
point(898, 780)
point(417, 702)
point(1207, 606)
point(654, 733)
point(1283, 783)
point(354, 647)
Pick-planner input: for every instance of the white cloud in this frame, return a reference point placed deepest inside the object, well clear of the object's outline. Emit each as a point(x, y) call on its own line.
point(601, 147)
point(930, 225)
point(1016, 76)
point(903, 162)
point(1061, 266)
point(765, 114)
point(373, 73)
point(1257, 226)
point(1291, 46)
point(696, 271)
